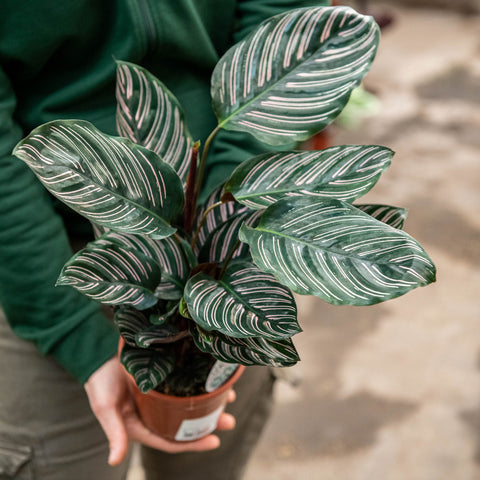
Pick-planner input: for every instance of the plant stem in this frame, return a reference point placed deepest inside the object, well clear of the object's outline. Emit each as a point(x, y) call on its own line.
point(190, 199)
point(204, 219)
point(182, 347)
point(203, 163)
point(173, 338)
point(229, 259)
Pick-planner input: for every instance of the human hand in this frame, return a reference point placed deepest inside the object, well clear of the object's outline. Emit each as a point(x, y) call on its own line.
point(113, 405)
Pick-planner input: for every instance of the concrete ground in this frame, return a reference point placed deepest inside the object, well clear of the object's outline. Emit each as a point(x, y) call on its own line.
point(391, 392)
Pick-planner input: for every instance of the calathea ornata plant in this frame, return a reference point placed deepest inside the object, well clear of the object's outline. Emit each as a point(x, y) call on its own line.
point(191, 284)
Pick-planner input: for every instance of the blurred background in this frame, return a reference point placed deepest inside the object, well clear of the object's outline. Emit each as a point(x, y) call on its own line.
point(392, 392)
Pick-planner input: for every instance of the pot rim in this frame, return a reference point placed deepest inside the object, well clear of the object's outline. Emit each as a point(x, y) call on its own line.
point(223, 388)
point(153, 393)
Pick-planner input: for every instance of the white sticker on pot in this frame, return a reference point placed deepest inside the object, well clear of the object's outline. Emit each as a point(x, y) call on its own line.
point(219, 374)
point(195, 428)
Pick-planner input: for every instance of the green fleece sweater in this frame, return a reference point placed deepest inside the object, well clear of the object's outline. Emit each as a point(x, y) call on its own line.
point(57, 61)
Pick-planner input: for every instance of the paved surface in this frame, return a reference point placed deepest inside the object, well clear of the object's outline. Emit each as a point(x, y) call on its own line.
point(391, 392)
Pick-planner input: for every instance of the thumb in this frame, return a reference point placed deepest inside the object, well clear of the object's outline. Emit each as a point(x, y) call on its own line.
point(114, 428)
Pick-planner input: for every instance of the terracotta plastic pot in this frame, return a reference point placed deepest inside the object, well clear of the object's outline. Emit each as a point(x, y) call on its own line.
point(183, 419)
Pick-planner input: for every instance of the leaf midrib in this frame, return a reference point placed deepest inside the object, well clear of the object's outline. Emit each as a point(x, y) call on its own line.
point(340, 253)
point(286, 190)
point(118, 196)
point(264, 318)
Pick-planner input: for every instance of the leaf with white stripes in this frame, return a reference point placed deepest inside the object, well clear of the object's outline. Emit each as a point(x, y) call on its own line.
point(294, 74)
point(330, 249)
point(393, 216)
point(113, 275)
point(150, 115)
point(149, 367)
point(224, 238)
point(109, 180)
point(175, 259)
point(245, 302)
point(129, 322)
point(246, 351)
point(345, 172)
point(217, 213)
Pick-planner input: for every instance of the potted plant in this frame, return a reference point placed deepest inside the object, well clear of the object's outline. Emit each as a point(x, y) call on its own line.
point(198, 288)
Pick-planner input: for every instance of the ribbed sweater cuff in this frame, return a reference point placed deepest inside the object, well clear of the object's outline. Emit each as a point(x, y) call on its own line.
point(87, 347)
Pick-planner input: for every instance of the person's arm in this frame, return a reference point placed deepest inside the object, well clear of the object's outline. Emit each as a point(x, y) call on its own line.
point(33, 248)
point(252, 12)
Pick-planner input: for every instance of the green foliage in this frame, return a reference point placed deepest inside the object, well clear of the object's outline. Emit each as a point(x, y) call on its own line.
point(345, 172)
point(283, 222)
point(149, 368)
point(335, 251)
point(244, 302)
point(110, 274)
point(294, 74)
point(109, 180)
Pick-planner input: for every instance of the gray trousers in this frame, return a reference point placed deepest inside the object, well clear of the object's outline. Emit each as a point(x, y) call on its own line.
point(48, 432)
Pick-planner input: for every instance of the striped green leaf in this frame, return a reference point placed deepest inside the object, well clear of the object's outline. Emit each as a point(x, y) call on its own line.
point(293, 75)
point(217, 216)
point(150, 115)
point(109, 180)
point(334, 251)
point(246, 351)
point(113, 275)
point(245, 302)
point(224, 239)
point(129, 322)
point(393, 216)
point(345, 172)
point(149, 368)
point(175, 259)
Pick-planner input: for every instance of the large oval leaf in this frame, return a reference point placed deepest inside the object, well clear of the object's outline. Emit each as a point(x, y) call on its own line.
point(149, 368)
point(150, 115)
point(246, 351)
point(221, 241)
point(293, 75)
point(244, 303)
point(112, 275)
point(109, 180)
point(174, 257)
point(334, 251)
point(345, 172)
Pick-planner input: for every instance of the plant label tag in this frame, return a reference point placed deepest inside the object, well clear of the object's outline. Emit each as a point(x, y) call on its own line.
point(194, 428)
point(219, 374)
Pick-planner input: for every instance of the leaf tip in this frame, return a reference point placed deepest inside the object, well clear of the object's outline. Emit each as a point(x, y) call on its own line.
point(227, 196)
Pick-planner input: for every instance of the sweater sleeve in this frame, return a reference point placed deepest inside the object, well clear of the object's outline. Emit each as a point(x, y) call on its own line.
point(33, 248)
point(251, 12)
